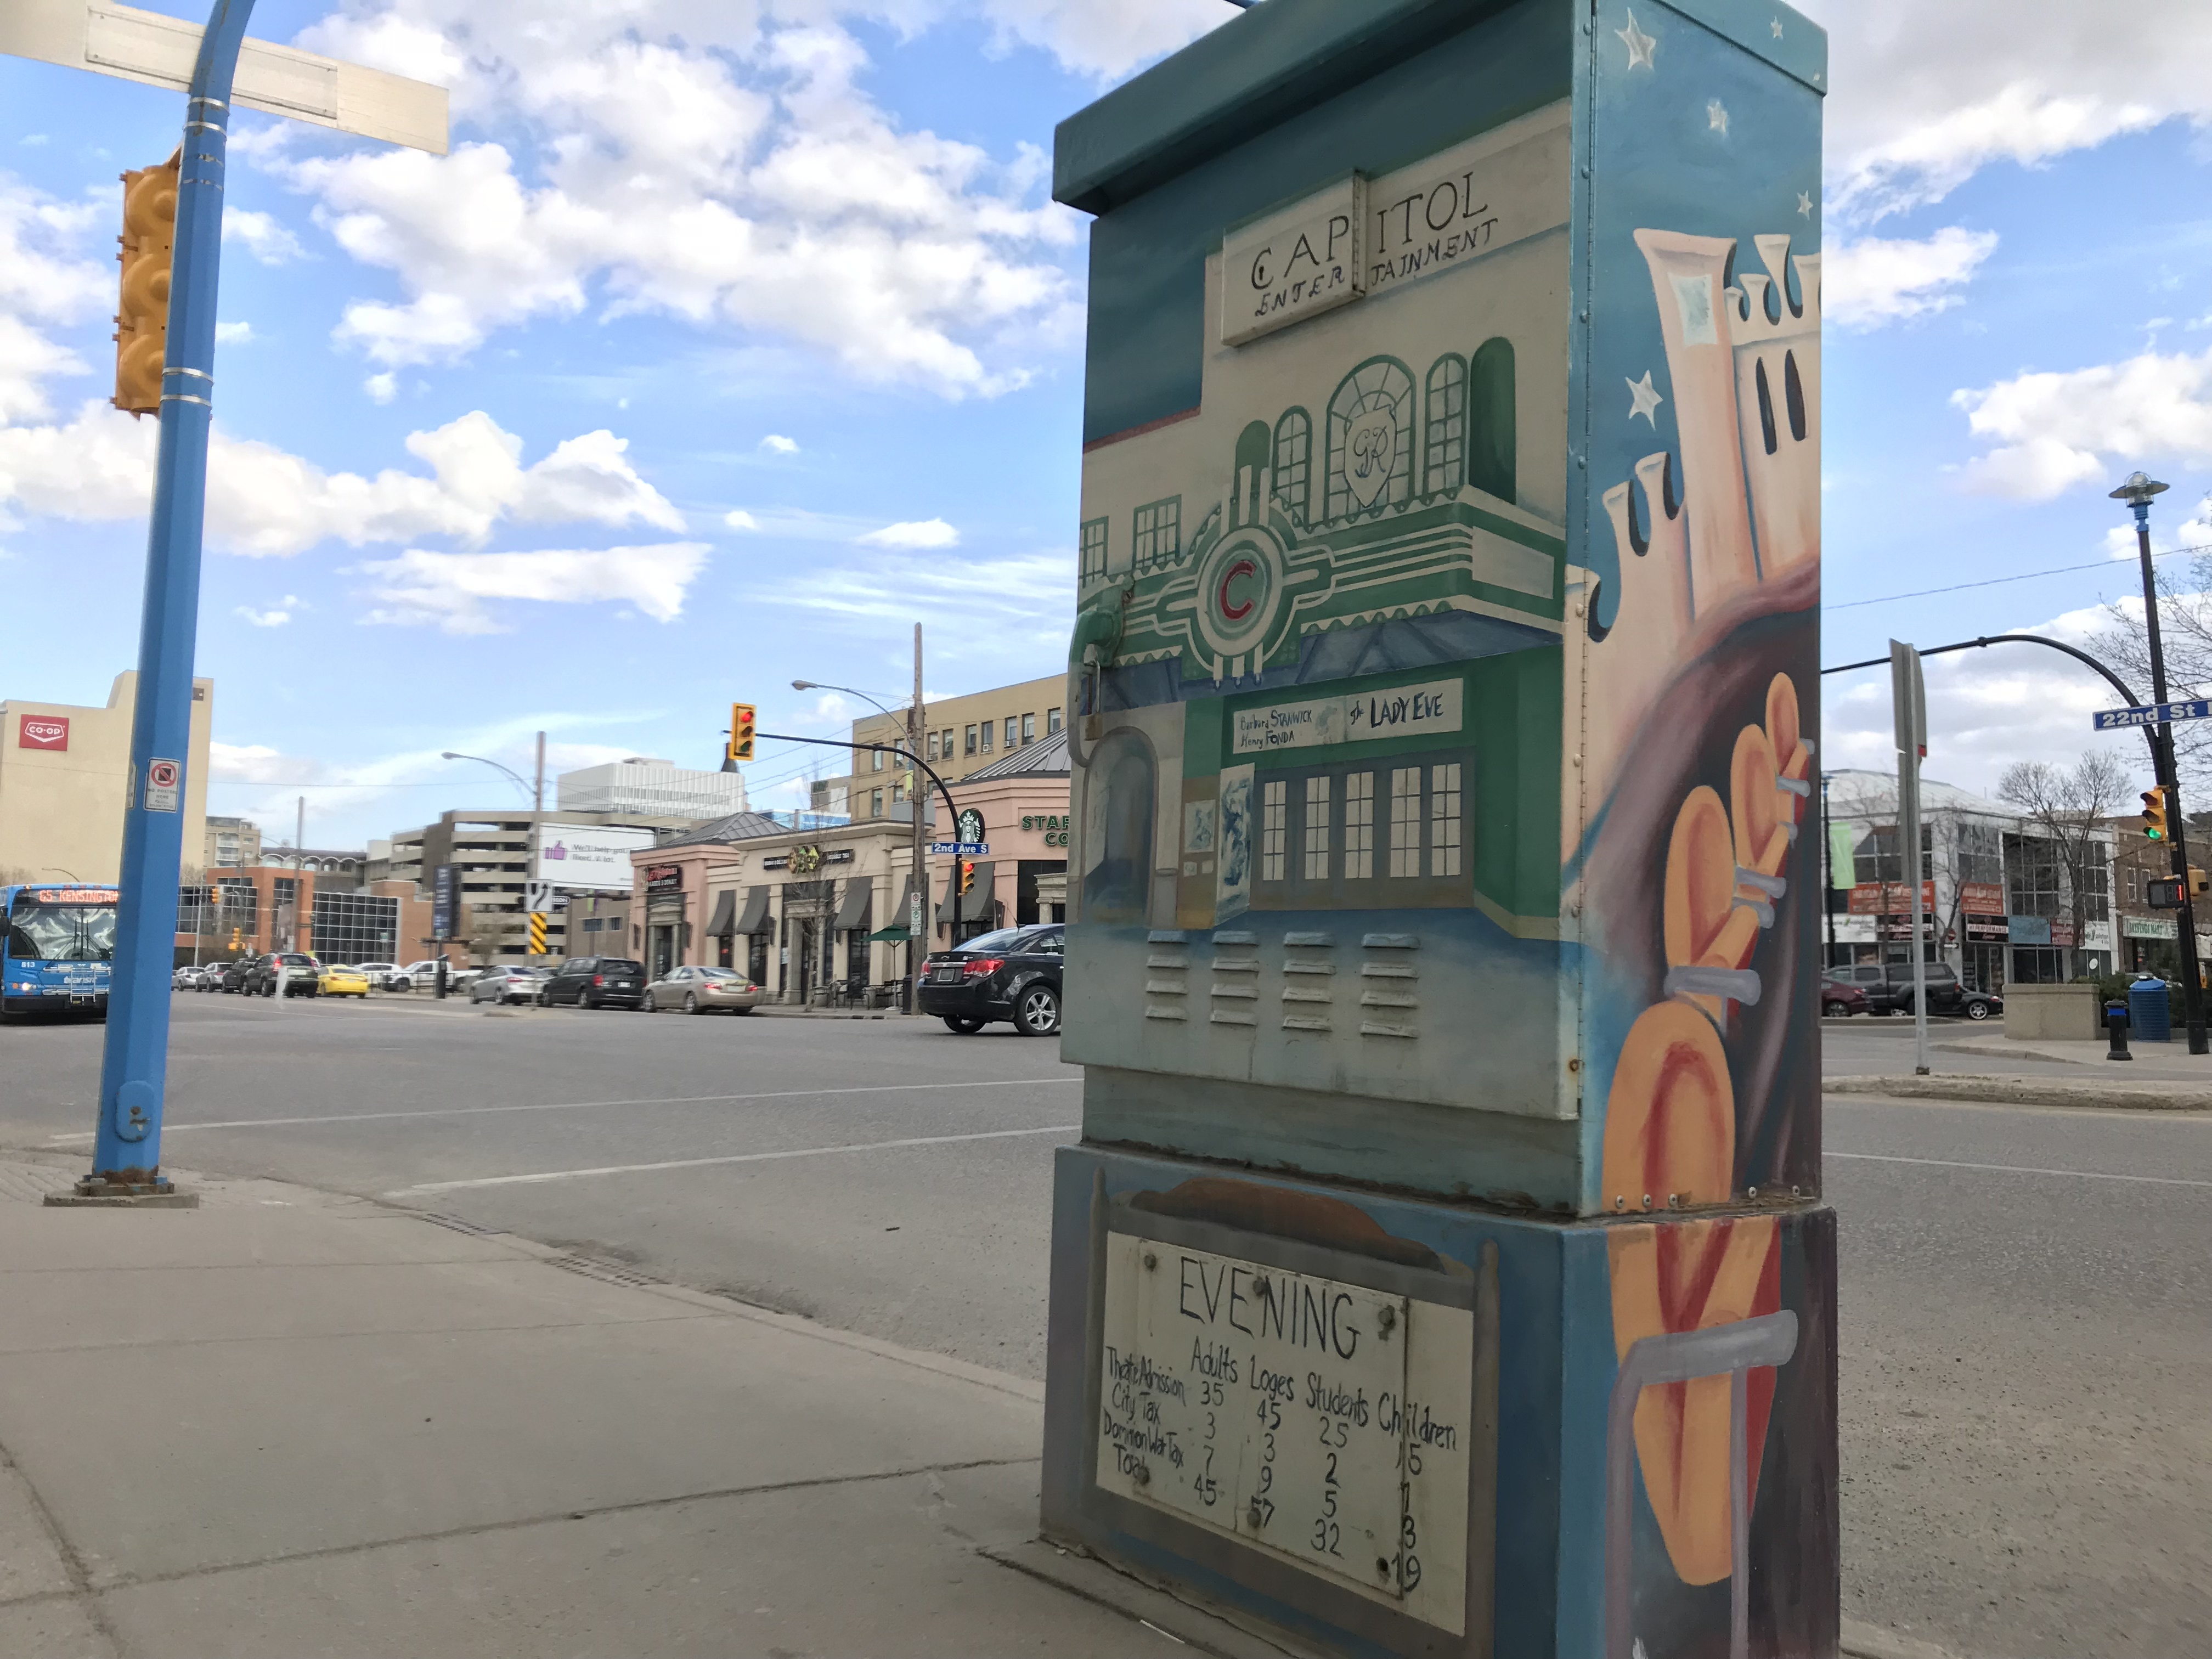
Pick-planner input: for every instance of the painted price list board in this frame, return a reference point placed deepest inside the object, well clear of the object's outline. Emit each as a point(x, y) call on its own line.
point(1324, 1421)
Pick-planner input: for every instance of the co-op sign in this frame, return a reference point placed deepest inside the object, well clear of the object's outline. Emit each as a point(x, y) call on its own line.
point(586, 858)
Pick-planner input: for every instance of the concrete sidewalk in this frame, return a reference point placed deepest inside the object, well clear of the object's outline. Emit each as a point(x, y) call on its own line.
point(288, 1424)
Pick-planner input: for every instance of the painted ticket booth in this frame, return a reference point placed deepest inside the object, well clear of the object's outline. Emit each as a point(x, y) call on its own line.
point(1443, 1268)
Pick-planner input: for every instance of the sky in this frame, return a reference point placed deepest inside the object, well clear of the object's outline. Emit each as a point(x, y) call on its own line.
point(735, 336)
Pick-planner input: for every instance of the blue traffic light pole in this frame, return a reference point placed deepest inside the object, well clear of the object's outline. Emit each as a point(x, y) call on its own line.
point(135, 1063)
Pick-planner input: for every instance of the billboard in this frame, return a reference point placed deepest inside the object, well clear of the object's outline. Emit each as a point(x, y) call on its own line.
point(586, 858)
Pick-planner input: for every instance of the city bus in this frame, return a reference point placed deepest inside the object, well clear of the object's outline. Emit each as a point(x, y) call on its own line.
point(57, 949)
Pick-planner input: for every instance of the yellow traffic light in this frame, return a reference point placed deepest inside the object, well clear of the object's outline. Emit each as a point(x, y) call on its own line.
point(741, 732)
point(2153, 813)
point(141, 326)
point(967, 877)
point(2199, 883)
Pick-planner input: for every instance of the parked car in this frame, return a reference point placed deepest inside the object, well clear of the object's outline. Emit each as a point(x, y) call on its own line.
point(595, 982)
point(187, 978)
point(341, 980)
point(505, 982)
point(261, 977)
point(415, 976)
point(702, 990)
point(379, 973)
point(1011, 974)
point(1841, 1000)
point(1887, 988)
point(232, 976)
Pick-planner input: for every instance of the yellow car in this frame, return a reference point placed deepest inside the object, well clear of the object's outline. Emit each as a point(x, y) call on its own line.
point(338, 980)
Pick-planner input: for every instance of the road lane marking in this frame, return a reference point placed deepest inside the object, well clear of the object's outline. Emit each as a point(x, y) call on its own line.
point(2019, 1168)
point(586, 1105)
point(734, 1157)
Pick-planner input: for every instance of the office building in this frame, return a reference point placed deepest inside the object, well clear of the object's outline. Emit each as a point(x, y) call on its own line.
point(654, 788)
point(960, 735)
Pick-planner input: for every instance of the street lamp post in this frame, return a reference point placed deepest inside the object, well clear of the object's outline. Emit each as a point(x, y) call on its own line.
point(514, 777)
point(2138, 492)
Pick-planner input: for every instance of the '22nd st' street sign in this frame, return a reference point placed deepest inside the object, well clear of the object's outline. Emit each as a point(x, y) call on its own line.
point(2158, 714)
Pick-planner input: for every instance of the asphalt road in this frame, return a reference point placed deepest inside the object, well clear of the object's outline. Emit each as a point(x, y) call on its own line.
point(2027, 1332)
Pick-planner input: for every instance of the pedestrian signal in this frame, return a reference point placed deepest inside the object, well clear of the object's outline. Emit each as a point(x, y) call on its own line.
point(2153, 813)
point(2199, 883)
point(741, 732)
point(142, 323)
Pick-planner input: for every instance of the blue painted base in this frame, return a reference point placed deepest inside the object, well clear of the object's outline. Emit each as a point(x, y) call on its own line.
point(1611, 1361)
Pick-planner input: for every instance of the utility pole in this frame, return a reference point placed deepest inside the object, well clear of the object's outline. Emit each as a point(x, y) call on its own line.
point(1909, 700)
point(1828, 863)
point(538, 796)
point(2138, 492)
point(918, 906)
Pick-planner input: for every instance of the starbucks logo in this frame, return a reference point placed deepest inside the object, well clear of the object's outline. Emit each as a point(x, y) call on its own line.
point(970, 824)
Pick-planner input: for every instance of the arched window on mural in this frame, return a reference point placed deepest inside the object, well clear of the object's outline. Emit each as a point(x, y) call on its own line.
point(1443, 426)
point(1122, 782)
point(1294, 463)
point(1493, 451)
point(1371, 438)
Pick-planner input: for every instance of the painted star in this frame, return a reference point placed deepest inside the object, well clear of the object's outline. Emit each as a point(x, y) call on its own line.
point(1716, 117)
point(1778, 29)
point(1805, 204)
point(1640, 46)
point(1644, 399)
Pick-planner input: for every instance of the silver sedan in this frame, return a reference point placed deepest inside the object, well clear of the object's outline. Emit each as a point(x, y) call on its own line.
point(701, 990)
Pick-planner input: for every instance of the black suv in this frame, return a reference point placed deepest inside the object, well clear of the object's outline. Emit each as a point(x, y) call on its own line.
point(260, 976)
point(595, 982)
point(1888, 989)
point(1011, 974)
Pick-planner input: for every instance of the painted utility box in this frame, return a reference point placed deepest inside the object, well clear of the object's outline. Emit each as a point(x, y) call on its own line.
point(1443, 1270)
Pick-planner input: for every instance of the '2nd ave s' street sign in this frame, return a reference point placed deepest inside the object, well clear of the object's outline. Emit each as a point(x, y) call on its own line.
point(2160, 713)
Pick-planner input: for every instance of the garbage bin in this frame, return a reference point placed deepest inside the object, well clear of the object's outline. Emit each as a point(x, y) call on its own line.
point(2149, 1014)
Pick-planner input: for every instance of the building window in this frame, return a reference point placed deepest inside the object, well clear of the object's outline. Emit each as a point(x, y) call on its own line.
point(1274, 830)
point(1051, 721)
point(1371, 439)
point(875, 803)
point(1093, 549)
point(986, 737)
point(1405, 821)
point(932, 755)
point(1444, 820)
point(1029, 730)
point(1360, 827)
point(876, 760)
point(1158, 531)
point(1316, 828)
point(946, 744)
point(1293, 463)
point(1443, 450)
point(1010, 731)
point(971, 737)
point(1492, 454)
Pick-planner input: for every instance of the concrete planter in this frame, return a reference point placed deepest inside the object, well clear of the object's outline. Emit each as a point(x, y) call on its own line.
point(2067, 1013)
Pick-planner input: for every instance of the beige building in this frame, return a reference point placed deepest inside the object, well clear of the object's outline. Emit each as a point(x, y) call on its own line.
point(961, 735)
point(63, 774)
point(232, 844)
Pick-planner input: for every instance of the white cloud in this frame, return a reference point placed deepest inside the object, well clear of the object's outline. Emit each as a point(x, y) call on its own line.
point(737, 519)
point(264, 501)
point(1924, 94)
point(233, 333)
point(448, 590)
point(267, 240)
point(236, 763)
point(381, 388)
point(702, 164)
point(776, 443)
point(974, 608)
point(1106, 40)
point(2056, 430)
point(919, 533)
point(43, 285)
point(1870, 282)
point(274, 616)
point(1985, 710)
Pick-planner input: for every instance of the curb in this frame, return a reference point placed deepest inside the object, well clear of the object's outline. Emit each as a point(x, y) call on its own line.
point(1864, 1641)
point(2026, 1091)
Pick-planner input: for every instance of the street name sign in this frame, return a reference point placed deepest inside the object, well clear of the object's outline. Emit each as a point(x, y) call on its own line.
point(159, 50)
point(962, 849)
point(2157, 714)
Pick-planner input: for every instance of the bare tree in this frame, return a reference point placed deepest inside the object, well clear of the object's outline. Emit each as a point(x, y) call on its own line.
point(2184, 628)
point(487, 932)
point(2066, 805)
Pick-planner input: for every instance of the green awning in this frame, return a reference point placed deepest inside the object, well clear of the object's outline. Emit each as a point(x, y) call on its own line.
point(889, 936)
